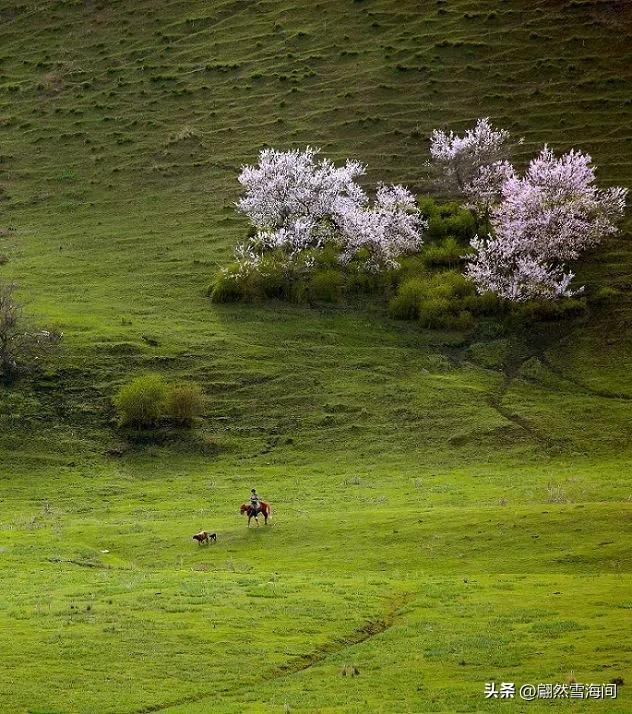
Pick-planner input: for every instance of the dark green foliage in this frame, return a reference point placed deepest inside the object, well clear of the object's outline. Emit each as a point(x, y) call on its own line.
point(405, 304)
point(485, 304)
point(549, 310)
point(326, 284)
point(447, 220)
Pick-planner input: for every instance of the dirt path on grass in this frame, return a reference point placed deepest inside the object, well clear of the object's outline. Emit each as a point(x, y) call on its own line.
point(370, 629)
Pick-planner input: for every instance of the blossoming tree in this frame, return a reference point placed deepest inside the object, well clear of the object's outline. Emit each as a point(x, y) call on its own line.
point(457, 160)
point(547, 217)
point(297, 201)
point(538, 222)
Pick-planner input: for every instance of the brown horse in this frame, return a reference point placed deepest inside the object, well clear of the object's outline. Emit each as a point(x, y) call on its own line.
point(264, 509)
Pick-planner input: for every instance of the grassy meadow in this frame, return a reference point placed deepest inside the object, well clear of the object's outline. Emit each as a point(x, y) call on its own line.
point(449, 508)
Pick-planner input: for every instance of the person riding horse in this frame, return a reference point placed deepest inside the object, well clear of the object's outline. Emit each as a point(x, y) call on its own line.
point(255, 502)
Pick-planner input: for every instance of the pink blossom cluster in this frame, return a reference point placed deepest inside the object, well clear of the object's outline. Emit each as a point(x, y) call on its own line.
point(540, 221)
point(298, 201)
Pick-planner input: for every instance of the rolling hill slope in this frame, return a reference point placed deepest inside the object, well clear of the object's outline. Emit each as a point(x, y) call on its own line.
point(450, 509)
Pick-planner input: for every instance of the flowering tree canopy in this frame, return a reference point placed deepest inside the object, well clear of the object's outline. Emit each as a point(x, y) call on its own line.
point(297, 201)
point(389, 228)
point(457, 160)
point(549, 216)
point(555, 209)
point(499, 268)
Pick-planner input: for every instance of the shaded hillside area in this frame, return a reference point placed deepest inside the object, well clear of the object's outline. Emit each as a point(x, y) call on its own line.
point(450, 508)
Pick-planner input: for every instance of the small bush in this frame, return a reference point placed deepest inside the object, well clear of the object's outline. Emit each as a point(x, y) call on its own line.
point(434, 311)
point(411, 266)
point(485, 304)
point(326, 285)
point(450, 284)
point(447, 220)
point(142, 402)
point(448, 253)
point(439, 313)
point(428, 206)
point(327, 256)
point(226, 287)
point(550, 310)
point(405, 305)
point(272, 280)
point(184, 403)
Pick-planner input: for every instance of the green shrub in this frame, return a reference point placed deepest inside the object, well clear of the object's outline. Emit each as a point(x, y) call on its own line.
point(299, 291)
point(549, 310)
point(605, 294)
point(409, 266)
point(360, 280)
point(326, 284)
point(447, 220)
point(448, 253)
point(142, 402)
point(272, 279)
point(226, 287)
point(327, 257)
point(405, 304)
point(427, 206)
point(439, 313)
point(485, 304)
point(434, 311)
point(184, 403)
point(450, 284)
point(464, 320)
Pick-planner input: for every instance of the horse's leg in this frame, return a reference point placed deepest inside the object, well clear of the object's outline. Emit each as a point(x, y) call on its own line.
point(249, 517)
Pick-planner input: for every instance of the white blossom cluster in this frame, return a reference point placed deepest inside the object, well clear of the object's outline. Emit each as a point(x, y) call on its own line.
point(298, 201)
point(540, 221)
point(457, 160)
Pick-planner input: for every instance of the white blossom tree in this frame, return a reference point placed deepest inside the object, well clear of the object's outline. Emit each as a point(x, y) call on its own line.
point(297, 202)
point(391, 227)
point(456, 161)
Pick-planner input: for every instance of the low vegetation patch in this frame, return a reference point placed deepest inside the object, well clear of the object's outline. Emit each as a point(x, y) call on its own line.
point(149, 401)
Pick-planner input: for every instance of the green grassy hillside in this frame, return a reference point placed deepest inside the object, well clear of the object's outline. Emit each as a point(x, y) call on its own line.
point(449, 508)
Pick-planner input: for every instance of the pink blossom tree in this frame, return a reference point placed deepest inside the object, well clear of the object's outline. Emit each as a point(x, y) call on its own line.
point(542, 220)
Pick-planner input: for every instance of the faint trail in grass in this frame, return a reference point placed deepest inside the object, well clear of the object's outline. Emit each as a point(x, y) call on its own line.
point(495, 401)
point(536, 346)
point(604, 393)
point(368, 630)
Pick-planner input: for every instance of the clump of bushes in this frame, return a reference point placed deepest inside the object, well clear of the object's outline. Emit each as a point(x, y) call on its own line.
point(184, 403)
point(148, 401)
point(447, 220)
point(443, 300)
point(447, 253)
point(426, 284)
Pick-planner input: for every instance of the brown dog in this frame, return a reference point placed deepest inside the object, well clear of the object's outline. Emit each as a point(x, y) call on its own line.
point(205, 537)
